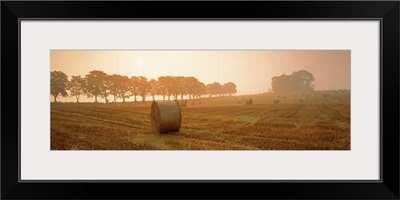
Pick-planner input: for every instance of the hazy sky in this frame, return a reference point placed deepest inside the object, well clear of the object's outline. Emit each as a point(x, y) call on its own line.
point(250, 70)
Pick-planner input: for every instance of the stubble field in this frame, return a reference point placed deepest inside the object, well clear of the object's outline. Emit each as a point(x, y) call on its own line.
point(320, 122)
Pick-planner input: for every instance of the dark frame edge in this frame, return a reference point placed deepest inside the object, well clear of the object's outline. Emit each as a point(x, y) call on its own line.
point(393, 194)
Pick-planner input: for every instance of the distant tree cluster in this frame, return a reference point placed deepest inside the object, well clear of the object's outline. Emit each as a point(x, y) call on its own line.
point(300, 81)
point(98, 84)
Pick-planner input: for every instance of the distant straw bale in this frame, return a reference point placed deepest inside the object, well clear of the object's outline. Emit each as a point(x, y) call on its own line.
point(165, 116)
point(276, 100)
point(183, 103)
point(249, 101)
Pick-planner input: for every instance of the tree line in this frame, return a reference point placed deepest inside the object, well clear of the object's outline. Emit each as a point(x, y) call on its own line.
point(99, 84)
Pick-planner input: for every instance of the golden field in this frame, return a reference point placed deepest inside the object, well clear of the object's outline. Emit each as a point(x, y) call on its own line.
point(320, 122)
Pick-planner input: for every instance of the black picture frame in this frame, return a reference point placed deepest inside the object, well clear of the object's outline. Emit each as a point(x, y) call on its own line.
point(386, 11)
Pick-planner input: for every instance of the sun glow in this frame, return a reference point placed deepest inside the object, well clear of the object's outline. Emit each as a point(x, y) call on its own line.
point(138, 63)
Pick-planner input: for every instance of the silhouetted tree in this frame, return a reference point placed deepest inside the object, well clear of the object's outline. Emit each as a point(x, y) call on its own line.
point(190, 84)
point(170, 86)
point(162, 86)
point(124, 88)
point(209, 88)
point(107, 83)
point(174, 86)
point(77, 87)
point(95, 84)
point(143, 87)
point(153, 88)
point(229, 88)
point(200, 89)
point(120, 86)
point(300, 81)
point(58, 84)
point(281, 83)
point(134, 89)
point(214, 89)
point(182, 87)
point(115, 85)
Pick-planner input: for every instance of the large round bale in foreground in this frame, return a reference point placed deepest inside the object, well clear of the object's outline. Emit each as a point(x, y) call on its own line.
point(165, 116)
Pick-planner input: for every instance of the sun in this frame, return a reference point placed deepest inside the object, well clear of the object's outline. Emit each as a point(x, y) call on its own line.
point(139, 63)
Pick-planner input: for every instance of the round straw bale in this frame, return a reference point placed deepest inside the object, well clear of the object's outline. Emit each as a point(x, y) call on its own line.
point(249, 101)
point(165, 116)
point(183, 103)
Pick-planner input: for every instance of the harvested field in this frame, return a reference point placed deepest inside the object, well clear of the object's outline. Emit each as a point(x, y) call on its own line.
point(319, 122)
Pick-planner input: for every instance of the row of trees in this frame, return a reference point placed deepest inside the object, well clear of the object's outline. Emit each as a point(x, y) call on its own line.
point(299, 81)
point(99, 84)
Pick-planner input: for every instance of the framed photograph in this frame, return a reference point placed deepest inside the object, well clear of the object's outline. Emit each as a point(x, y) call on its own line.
point(300, 98)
